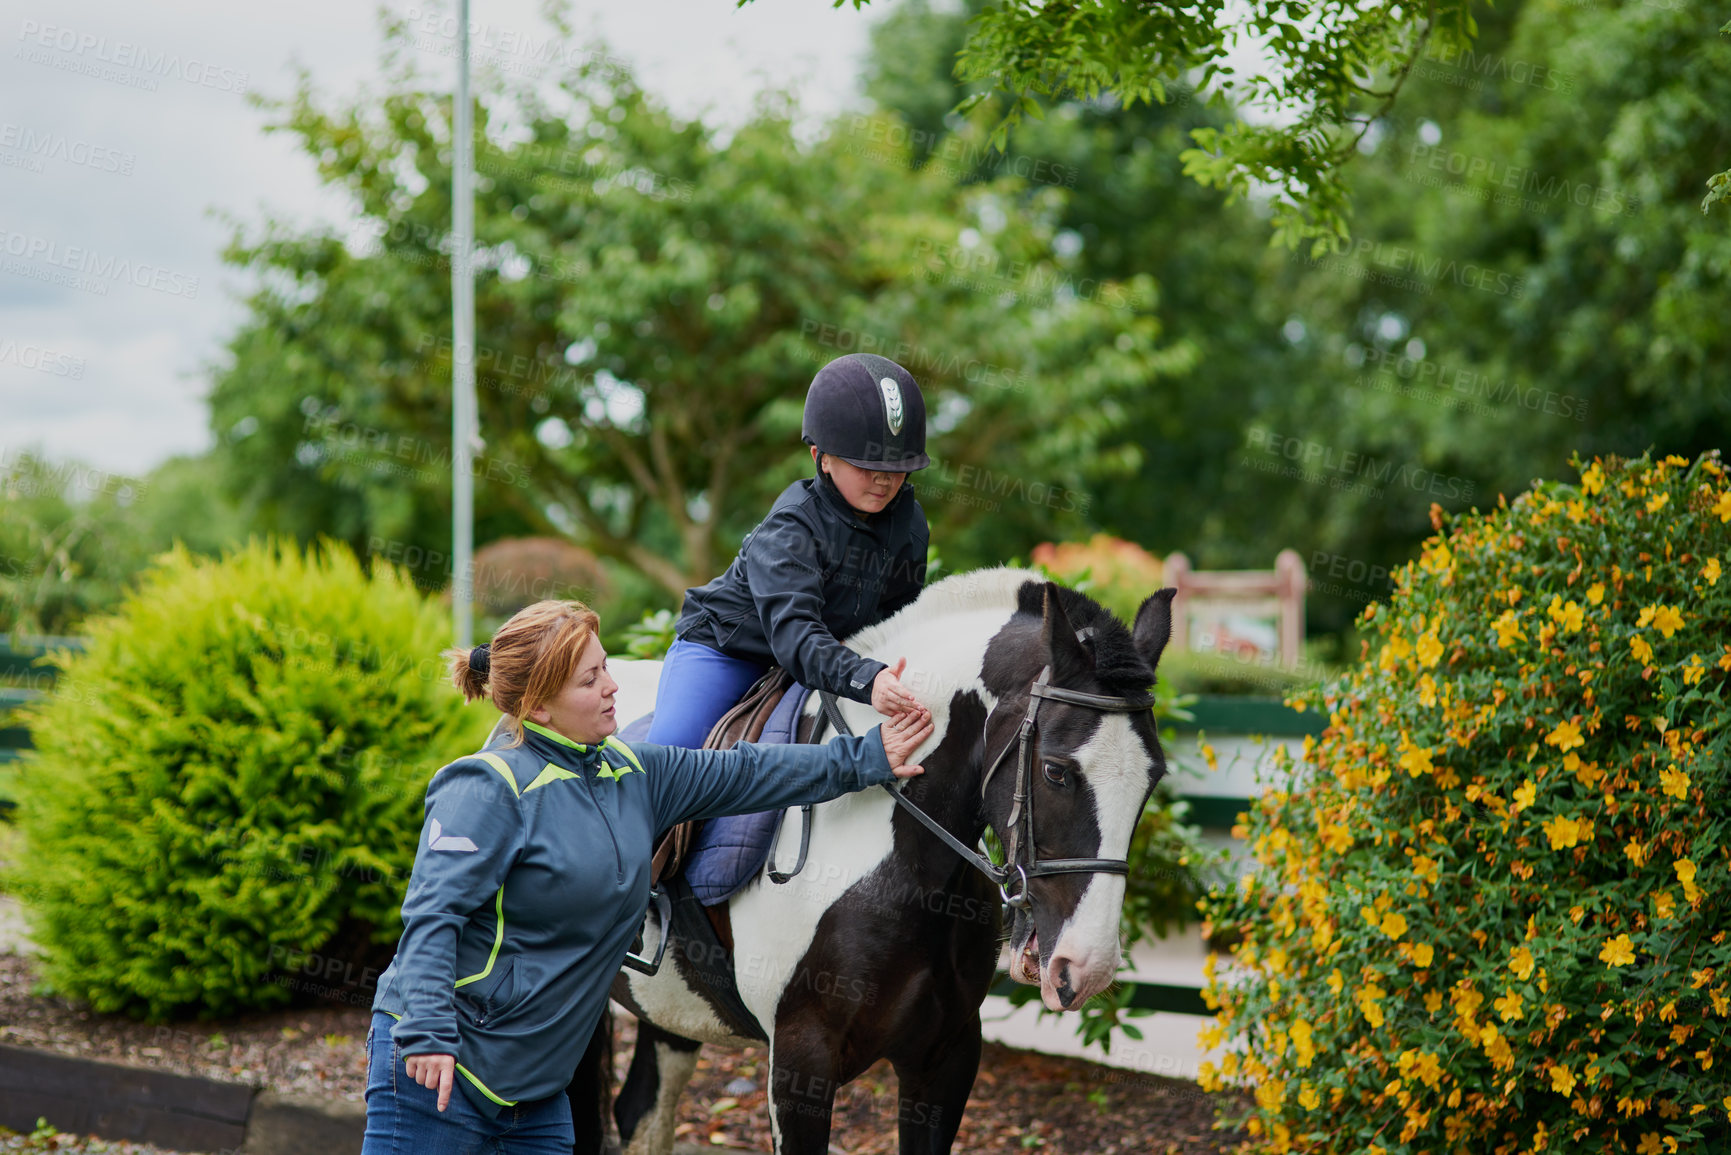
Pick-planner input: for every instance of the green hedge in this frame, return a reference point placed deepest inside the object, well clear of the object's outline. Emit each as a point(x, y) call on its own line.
point(230, 779)
point(1492, 916)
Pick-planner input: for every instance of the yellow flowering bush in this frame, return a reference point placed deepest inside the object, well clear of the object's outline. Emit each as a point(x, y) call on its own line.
point(1490, 912)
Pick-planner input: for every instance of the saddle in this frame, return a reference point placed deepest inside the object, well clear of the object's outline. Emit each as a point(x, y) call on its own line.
point(730, 850)
point(744, 723)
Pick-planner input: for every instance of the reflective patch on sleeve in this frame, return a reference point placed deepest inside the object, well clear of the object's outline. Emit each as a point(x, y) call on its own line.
point(439, 840)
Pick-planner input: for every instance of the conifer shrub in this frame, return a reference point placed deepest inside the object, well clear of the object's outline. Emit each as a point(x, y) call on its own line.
point(1490, 912)
point(229, 781)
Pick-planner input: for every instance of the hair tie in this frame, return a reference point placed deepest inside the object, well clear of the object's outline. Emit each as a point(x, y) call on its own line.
point(480, 659)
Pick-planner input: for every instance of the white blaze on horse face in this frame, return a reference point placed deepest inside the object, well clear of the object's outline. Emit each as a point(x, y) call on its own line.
point(1116, 767)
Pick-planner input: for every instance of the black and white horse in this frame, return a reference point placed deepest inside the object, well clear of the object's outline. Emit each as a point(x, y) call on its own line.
point(885, 944)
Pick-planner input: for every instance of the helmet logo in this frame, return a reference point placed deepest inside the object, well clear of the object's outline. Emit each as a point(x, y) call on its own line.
point(892, 403)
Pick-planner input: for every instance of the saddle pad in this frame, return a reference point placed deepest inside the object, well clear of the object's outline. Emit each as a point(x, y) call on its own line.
point(783, 725)
point(730, 851)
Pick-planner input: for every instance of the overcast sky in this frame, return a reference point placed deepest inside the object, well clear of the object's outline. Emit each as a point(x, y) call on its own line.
point(126, 138)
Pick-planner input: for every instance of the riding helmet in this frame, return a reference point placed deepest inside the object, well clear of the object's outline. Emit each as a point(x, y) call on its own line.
point(868, 411)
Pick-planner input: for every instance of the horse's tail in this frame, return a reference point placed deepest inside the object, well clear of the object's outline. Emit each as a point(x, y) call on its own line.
point(591, 1091)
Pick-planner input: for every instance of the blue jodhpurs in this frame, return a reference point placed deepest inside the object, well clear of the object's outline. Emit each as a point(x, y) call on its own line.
point(698, 685)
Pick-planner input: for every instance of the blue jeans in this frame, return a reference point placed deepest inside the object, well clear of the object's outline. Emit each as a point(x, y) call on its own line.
point(403, 1117)
point(698, 685)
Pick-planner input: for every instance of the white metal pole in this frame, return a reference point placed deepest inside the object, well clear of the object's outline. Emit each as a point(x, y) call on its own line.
point(465, 420)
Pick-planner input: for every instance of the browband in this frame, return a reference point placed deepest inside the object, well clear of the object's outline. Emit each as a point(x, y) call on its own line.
point(1111, 704)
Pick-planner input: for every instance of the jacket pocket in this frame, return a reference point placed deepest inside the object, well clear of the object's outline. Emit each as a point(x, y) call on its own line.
point(725, 628)
point(486, 998)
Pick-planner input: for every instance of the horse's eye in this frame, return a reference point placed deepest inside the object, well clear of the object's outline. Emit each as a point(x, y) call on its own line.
point(1055, 774)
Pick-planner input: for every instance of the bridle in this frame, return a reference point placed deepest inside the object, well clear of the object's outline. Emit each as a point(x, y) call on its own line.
point(1021, 861)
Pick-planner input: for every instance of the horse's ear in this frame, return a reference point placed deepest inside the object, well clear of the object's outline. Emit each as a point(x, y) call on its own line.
point(1153, 626)
point(1071, 660)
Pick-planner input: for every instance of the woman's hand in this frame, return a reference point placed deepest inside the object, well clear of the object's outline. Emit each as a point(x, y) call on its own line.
point(902, 735)
point(433, 1072)
point(889, 696)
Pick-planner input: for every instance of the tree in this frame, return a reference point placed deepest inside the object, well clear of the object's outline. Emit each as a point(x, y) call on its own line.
point(652, 300)
point(1471, 335)
point(1332, 73)
point(1534, 275)
point(1130, 215)
point(72, 537)
point(1332, 70)
point(1490, 911)
point(1194, 441)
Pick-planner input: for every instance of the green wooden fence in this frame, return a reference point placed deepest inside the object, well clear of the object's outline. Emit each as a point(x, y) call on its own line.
point(1220, 716)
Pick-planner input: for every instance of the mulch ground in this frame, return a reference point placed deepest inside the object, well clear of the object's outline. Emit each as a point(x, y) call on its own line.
point(1022, 1101)
point(51, 1140)
point(317, 1051)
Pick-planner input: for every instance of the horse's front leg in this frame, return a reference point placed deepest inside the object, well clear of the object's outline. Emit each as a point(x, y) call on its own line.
point(802, 1087)
point(933, 1093)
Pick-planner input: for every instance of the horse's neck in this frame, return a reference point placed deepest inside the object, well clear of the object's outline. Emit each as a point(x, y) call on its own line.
point(945, 652)
point(949, 790)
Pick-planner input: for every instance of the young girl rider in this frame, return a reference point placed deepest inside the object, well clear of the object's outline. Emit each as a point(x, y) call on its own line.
point(839, 551)
point(531, 877)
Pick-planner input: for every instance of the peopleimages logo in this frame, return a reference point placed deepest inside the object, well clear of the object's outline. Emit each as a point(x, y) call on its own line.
point(1473, 66)
point(499, 44)
point(917, 359)
point(102, 267)
point(43, 360)
point(87, 47)
point(1466, 384)
point(956, 156)
point(1494, 177)
point(1314, 461)
point(1356, 259)
point(39, 146)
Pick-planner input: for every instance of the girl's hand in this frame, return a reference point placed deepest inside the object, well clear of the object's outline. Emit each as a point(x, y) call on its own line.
point(433, 1072)
point(902, 735)
point(889, 696)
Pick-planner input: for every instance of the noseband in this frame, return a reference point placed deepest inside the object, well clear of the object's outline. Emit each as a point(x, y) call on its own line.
point(1021, 857)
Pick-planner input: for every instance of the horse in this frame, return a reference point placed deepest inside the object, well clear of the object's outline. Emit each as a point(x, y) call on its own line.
point(887, 942)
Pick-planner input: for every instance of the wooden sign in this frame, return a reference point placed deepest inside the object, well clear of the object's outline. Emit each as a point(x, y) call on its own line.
point(1249, 615)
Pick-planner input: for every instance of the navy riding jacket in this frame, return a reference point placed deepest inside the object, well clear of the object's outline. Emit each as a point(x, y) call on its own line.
point(814, 570)
point(531, 880)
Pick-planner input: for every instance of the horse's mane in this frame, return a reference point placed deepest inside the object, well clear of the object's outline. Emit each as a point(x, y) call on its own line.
point(981, 589)
point(1117, 664)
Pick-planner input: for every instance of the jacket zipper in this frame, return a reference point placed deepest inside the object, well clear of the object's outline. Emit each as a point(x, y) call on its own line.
point(618, 859)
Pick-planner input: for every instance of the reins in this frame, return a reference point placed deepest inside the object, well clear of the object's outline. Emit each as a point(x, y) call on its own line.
point(1021, 860)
